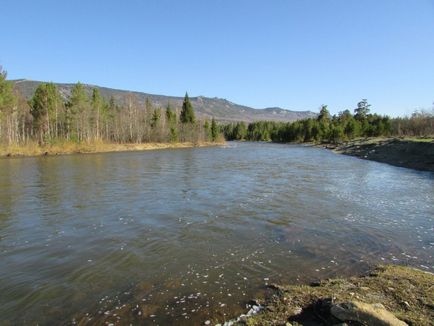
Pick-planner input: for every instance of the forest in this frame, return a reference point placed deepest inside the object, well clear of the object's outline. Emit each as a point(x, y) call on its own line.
point(48, 117)
point(326, 128)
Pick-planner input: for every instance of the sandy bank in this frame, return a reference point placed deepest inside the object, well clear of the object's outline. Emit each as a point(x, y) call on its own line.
point(409, 153)
point(33, 149)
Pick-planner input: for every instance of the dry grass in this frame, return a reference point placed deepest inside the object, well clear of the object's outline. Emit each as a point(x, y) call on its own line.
point(60, 148)
point(414, 153)
point(373, 140)
point(406, 292)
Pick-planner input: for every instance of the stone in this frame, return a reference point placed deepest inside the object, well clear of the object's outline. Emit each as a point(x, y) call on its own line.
point(315, 283)
point(242, 318)
point(297, 310)
point(367, 314)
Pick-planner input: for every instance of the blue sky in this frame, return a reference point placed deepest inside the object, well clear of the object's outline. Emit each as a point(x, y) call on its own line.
point(294, 54)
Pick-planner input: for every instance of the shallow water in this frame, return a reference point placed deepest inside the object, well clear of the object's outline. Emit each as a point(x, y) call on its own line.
point(187, 235)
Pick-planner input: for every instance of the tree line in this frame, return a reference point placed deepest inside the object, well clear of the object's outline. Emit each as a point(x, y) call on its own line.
point(333, 129)
point(48, 117)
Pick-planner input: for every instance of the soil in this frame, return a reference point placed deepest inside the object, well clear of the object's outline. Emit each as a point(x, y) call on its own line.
point(409, 153)
point(405, 292)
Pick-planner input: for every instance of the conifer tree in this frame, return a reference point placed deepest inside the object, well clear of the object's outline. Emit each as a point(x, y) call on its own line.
point(170, 114)
point(187, 112)
point(97, 105)
point(207, 130)
point(44, 107)
point(7, 103)
point(6, 92)
point(77, 107)
point(362, 109)
point(324, 114)
point(214, 131)
point(155, 118)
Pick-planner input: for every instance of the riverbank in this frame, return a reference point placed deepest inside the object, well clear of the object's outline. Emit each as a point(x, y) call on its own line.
point(413, 153)
point(390, 295)
point(63, 148)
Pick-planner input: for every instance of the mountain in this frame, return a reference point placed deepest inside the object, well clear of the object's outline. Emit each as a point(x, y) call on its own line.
point(221, 109)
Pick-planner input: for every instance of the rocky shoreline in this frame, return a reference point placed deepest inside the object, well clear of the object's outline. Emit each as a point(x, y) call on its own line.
point(409, 153)
point(389, 295)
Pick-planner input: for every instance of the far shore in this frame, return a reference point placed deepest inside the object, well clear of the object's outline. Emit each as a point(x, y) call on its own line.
point(65, 148)
point(413, 153)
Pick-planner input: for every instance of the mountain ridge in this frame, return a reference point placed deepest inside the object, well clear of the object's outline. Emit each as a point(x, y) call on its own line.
point(221, 109)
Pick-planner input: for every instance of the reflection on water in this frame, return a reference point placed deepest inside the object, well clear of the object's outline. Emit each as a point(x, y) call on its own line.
point(182, 236)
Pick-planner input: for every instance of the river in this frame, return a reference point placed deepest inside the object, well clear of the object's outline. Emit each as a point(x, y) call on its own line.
point(187, 235)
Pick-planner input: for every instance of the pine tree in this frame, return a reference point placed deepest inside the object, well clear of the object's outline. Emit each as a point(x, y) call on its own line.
point(170, 114)
point(78, 105)
point(240, 131)
point(173, 135)
point(187, 112)
point(44, 107)
point(324, 114)
point(7, 104)
point(214, 130)
point(362, 110)
point(155, 118)
point(207, 130)
point(6, 92)
point(97, 104)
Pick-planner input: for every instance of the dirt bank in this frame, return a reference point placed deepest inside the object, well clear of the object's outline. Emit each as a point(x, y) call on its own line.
point(409, 153)
point(33, 149)
point(402, 294)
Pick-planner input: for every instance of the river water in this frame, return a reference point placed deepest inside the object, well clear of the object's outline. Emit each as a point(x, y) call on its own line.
point(188, 235)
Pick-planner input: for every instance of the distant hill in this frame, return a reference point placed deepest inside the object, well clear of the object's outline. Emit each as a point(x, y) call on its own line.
point(205, 107)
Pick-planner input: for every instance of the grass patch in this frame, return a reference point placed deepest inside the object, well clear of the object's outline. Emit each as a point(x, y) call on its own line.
point(406, 292)
point(69, 147)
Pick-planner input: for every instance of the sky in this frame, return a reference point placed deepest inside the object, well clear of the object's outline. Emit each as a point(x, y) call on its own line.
point(295, 54)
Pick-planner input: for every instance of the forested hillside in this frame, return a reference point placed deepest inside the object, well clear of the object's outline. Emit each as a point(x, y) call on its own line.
point(206, 108)
point(48, 112)
point(50, 115)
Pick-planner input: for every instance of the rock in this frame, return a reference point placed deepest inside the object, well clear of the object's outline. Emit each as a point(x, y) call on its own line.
point(315, 283)
point(254, 310)
point(242, 318)
point(406, 304)
point(274, 287)
point(297, 310)
point(367, 314)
